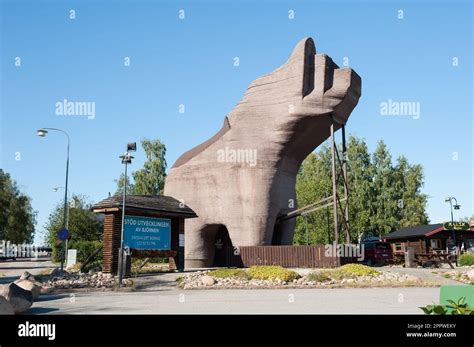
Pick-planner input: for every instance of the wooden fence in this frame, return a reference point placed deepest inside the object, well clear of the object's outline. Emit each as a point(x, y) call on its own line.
point(286, 256)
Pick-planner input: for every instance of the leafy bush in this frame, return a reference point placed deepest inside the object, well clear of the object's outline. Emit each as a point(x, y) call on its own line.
point(345, 271)
point(357, 270)
point(85, 249)
point(466, 259)
point(319, 276)
point(272, 273)
point(458, 308)
point(56, 251)
point(227, 273)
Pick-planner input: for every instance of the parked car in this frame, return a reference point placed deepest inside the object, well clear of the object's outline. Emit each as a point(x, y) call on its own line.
point(376, 252)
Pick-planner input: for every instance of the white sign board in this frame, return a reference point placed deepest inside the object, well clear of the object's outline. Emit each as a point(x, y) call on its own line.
point(181, 240)
point(71, 257)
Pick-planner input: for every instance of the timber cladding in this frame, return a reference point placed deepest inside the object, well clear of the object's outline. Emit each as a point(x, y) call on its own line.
point(289, 256)
point(111, 242)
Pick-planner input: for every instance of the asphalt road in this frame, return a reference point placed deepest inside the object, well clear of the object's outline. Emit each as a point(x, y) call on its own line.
point(157, 294)
point(12, 270)
point(268, 301)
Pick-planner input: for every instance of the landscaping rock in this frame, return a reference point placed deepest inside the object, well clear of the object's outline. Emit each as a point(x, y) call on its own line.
point(5, 307)
point(470, 274)
point(411, 278)
point(207, 280)
point(27, 276)
point(31, 285)
point(19, 298)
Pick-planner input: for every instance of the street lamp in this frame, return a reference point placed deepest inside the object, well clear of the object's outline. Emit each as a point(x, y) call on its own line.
point(126, 159)
point(456, 206)
point(42, 133)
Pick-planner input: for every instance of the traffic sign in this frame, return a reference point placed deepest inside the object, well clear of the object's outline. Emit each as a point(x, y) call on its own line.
point(63, 234)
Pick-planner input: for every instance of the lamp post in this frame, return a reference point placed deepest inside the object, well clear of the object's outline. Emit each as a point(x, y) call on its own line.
point(126, 159)
point(56, 189)
point(456, 206)
point(42, 133)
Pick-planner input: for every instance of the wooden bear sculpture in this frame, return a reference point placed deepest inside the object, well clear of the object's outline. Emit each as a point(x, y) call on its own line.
point(240, 180)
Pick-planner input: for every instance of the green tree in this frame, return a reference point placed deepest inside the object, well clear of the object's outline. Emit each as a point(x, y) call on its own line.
point(313, 183)
point(17, 217)
point(83, 224)
point(386, 192)
point(360, 172)
point(149, 180)
point(411, 202)
point(382, 197)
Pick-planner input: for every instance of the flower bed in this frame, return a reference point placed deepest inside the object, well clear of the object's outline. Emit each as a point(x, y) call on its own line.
point(352, 275)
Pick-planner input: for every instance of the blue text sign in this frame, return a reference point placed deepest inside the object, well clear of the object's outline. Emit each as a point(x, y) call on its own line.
point(147, 233)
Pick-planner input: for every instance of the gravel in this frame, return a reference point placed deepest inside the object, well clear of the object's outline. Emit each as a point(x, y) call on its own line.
point(77, 280)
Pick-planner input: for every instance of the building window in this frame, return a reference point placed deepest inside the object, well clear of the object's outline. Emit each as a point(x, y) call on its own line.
point(435, 244)
point(398, 247)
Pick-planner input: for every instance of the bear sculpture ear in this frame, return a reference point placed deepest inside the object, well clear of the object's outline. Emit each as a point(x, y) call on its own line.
point(301, 62)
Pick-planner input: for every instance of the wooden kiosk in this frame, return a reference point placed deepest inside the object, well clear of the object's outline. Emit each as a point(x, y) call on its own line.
point(152, 224)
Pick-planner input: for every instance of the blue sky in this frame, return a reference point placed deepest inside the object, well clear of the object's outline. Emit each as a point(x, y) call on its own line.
point(191, 62)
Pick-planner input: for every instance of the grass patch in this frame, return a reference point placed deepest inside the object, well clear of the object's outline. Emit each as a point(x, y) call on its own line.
point(228, 273)
point(319, 276)
point(272, 273)
point(466, 259)
point(357, 270)
point(343, 272)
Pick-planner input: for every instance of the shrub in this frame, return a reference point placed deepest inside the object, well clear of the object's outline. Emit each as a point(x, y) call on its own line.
point(319, 276)
point(227, 273)
point(458, 308)
point(466, 259)
point(272, 273)
point(56, 251)
point(356, 270)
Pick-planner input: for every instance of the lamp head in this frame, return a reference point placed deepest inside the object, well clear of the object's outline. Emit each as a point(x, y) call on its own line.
point(457, 207)
point(126, 158)
point(41, 132)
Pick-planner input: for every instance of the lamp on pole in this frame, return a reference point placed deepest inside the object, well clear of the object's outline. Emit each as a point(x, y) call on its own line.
point(456, 206)
point(42, 133)
point(126, 159)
